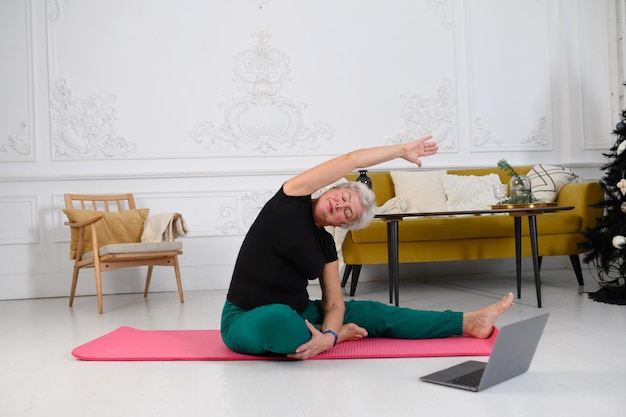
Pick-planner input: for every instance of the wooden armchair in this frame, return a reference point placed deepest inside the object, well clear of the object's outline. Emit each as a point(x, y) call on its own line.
point(106, 235)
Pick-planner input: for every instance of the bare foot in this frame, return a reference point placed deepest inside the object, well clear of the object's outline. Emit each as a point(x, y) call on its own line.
point(479, 323)
point(351, 331)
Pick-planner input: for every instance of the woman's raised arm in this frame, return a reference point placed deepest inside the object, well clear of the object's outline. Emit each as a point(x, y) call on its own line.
point(330, 171)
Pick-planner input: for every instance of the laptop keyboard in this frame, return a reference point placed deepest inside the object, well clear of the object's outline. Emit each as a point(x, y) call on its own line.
point(471, 380)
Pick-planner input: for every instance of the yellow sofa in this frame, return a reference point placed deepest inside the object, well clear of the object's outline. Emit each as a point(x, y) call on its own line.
point(454, 238)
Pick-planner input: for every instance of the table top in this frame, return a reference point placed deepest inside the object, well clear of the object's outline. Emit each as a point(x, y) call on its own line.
point(513, 211)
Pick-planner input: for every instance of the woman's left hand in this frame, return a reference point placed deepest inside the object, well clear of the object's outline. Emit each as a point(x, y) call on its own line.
point(319, 343)
point(419, 148)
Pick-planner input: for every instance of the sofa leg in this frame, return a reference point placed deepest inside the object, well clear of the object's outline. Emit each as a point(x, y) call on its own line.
point(577, 269)
point(346, 275)
point(355, 279)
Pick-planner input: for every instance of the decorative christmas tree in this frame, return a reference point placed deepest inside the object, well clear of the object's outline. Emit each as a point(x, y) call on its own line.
point(605, 244)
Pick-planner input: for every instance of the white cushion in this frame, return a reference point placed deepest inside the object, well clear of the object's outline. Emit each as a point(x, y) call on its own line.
point(470, 192)
point(422, 190)
point(547, 180)
point(121, 248)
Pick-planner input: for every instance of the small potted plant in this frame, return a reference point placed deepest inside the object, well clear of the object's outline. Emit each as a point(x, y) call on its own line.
point(520, 185)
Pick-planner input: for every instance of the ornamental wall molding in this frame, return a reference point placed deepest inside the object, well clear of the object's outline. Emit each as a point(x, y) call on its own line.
point(20, 147)
point(261, 120)
point(538, 137)
point(18, 144)
point(443, 9)
point(24, 222)
point(422, 115)
point(85, 127)
point(54, 8)
point(483, 136)
point(237, 215)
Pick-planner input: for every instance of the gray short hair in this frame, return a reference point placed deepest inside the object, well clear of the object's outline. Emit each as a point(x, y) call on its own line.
point(368, 201)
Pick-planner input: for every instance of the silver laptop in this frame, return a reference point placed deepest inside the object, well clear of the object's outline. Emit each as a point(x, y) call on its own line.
point(511, 356)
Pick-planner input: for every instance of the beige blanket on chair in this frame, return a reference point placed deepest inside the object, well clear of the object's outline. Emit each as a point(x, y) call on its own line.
point(164, 227)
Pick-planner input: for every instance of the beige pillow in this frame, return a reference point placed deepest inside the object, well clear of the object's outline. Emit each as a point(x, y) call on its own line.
point(422, 190)
point(547, 180)
point(470, 192)
point(114, 227)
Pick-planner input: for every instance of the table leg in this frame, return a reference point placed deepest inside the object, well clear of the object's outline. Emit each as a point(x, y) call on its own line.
point(392, 260)
point(518, 254)
point(532, 223)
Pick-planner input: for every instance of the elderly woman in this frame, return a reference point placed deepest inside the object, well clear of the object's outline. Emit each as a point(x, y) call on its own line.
point(268, 310)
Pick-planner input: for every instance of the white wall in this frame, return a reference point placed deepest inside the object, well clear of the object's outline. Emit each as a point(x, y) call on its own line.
point(205, 107)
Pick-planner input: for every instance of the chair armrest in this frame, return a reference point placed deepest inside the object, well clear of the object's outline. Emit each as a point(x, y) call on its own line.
point(80, 244)
point(584, 196)
point(86, 222)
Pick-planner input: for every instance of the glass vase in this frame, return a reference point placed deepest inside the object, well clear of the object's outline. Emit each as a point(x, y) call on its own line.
point(520, 190)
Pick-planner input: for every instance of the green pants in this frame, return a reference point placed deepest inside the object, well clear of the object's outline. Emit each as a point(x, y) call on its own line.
point(278, 329)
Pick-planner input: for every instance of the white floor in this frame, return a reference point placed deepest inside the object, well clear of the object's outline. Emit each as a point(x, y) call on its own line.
point(579, 368)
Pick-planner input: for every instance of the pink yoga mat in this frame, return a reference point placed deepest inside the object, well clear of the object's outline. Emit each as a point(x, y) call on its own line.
point(129, 344)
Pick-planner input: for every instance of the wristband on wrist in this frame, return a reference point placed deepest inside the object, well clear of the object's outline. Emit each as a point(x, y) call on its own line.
point(334, 334)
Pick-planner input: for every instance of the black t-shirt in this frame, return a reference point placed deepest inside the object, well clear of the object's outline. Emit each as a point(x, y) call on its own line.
point(282, 251)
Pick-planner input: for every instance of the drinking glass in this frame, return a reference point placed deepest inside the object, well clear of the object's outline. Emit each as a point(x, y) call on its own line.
point(500, 191)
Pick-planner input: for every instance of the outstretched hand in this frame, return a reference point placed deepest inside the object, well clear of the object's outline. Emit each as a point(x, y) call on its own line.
point(420, 148)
